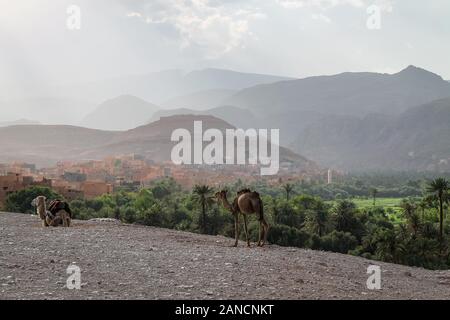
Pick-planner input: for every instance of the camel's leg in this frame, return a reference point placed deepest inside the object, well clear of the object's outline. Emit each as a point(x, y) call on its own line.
point(261, 231)
point(64, 219)
point(266, 232)
point(44, 222)
point(236, 228)
point(246, 230)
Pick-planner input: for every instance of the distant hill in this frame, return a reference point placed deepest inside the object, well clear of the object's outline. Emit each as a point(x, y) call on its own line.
point(356, 94)
point(160, 87)
point(238, 117)
point(153, 140)
point(417, 139)
point(19, 122)
point(46, 110)
point(121, 113)
point(45, 145)
point(200, 100)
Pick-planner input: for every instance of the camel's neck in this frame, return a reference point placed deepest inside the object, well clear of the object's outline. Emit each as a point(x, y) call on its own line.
point(227, 204)
point(41, 210)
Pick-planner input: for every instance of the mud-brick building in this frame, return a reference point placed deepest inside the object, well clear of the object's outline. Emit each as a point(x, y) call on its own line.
point(9, 183)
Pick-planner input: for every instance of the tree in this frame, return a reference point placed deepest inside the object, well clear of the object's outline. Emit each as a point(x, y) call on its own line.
point(203, 196)
point(374, 193)
point(346, 219)
point(390, 248)
point(423, 205)
point(412, 218)
point(317, 221)
point(288, 188)
point(20, 201)
point(439, 188)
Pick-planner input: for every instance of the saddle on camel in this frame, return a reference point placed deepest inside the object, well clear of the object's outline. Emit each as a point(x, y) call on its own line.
point(57, 213)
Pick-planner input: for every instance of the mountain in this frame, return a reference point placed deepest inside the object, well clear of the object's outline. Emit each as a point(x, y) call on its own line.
point(238, 117)
point(417, 139)
point(46, 110)
point(19, 122)
point(45, 145)
point(160, 87)
point(200, 100)
point(121, 113)
point(153, 140)
point(356, 94)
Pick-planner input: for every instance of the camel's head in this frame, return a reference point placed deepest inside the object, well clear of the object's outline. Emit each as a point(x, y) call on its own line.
point(222, 195)
point(39, 203)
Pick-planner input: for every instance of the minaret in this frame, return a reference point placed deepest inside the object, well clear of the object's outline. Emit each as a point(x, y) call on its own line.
point(330, 176)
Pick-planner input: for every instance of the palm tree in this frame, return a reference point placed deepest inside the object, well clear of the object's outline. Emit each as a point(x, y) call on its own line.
point(439, 187)
point(413, 219)
point(423, 205)
point(317, 221)
point(345, 215)
point(373, 193)
point(288, 188)
point(203, 196)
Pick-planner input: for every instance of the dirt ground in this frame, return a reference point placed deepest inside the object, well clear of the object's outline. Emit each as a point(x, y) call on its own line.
point(120, 261)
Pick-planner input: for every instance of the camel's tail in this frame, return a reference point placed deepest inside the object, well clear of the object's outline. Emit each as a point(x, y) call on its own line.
point(261, 210)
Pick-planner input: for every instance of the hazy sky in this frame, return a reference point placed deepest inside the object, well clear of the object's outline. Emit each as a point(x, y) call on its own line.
point(287, 37)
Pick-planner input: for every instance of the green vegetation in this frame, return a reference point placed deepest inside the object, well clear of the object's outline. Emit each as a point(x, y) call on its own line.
point(409, 230)
point(21, 201)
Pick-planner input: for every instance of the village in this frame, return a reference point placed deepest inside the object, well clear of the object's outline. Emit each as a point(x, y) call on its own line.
point(92, 178)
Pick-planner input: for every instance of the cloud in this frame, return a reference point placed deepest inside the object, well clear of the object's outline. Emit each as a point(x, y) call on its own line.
point(321, 17)
point(323, 4)
point(213, 27)
point(385, 5)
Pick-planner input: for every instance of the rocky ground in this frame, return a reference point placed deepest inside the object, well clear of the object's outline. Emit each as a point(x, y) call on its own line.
point(121, 261)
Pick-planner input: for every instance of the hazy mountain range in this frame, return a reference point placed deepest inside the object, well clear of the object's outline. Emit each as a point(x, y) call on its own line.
point(121, 113)
point(358, 93)
point(162, 87)
point(351, 120)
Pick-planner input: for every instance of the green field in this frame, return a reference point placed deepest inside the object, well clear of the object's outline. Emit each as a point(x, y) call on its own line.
point(386, 203)
point(393, 203)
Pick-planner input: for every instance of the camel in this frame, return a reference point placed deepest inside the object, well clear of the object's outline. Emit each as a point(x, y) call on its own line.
point(246, 203)
point(59, 213)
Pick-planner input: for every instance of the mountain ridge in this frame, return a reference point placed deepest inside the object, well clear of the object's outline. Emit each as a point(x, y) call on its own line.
point(417, 139)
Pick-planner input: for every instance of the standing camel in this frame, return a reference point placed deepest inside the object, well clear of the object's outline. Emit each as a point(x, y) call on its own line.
point(246, 203)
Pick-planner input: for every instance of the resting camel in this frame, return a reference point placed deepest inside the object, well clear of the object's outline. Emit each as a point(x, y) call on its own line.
point(246, 203)
point(58, 213)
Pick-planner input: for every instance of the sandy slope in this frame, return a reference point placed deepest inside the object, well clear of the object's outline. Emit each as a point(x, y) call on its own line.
point(136, 262)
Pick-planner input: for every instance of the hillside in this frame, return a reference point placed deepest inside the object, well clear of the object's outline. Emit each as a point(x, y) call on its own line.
point(153, 140)
point(121, 113)
point(19, 122)
point(200, 100)
point(414, 140)
point(356, 94)
point(45, 145)
point(120, 261)
point(238, 117)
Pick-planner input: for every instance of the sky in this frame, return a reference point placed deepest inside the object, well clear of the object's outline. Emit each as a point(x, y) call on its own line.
point(39, 45)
